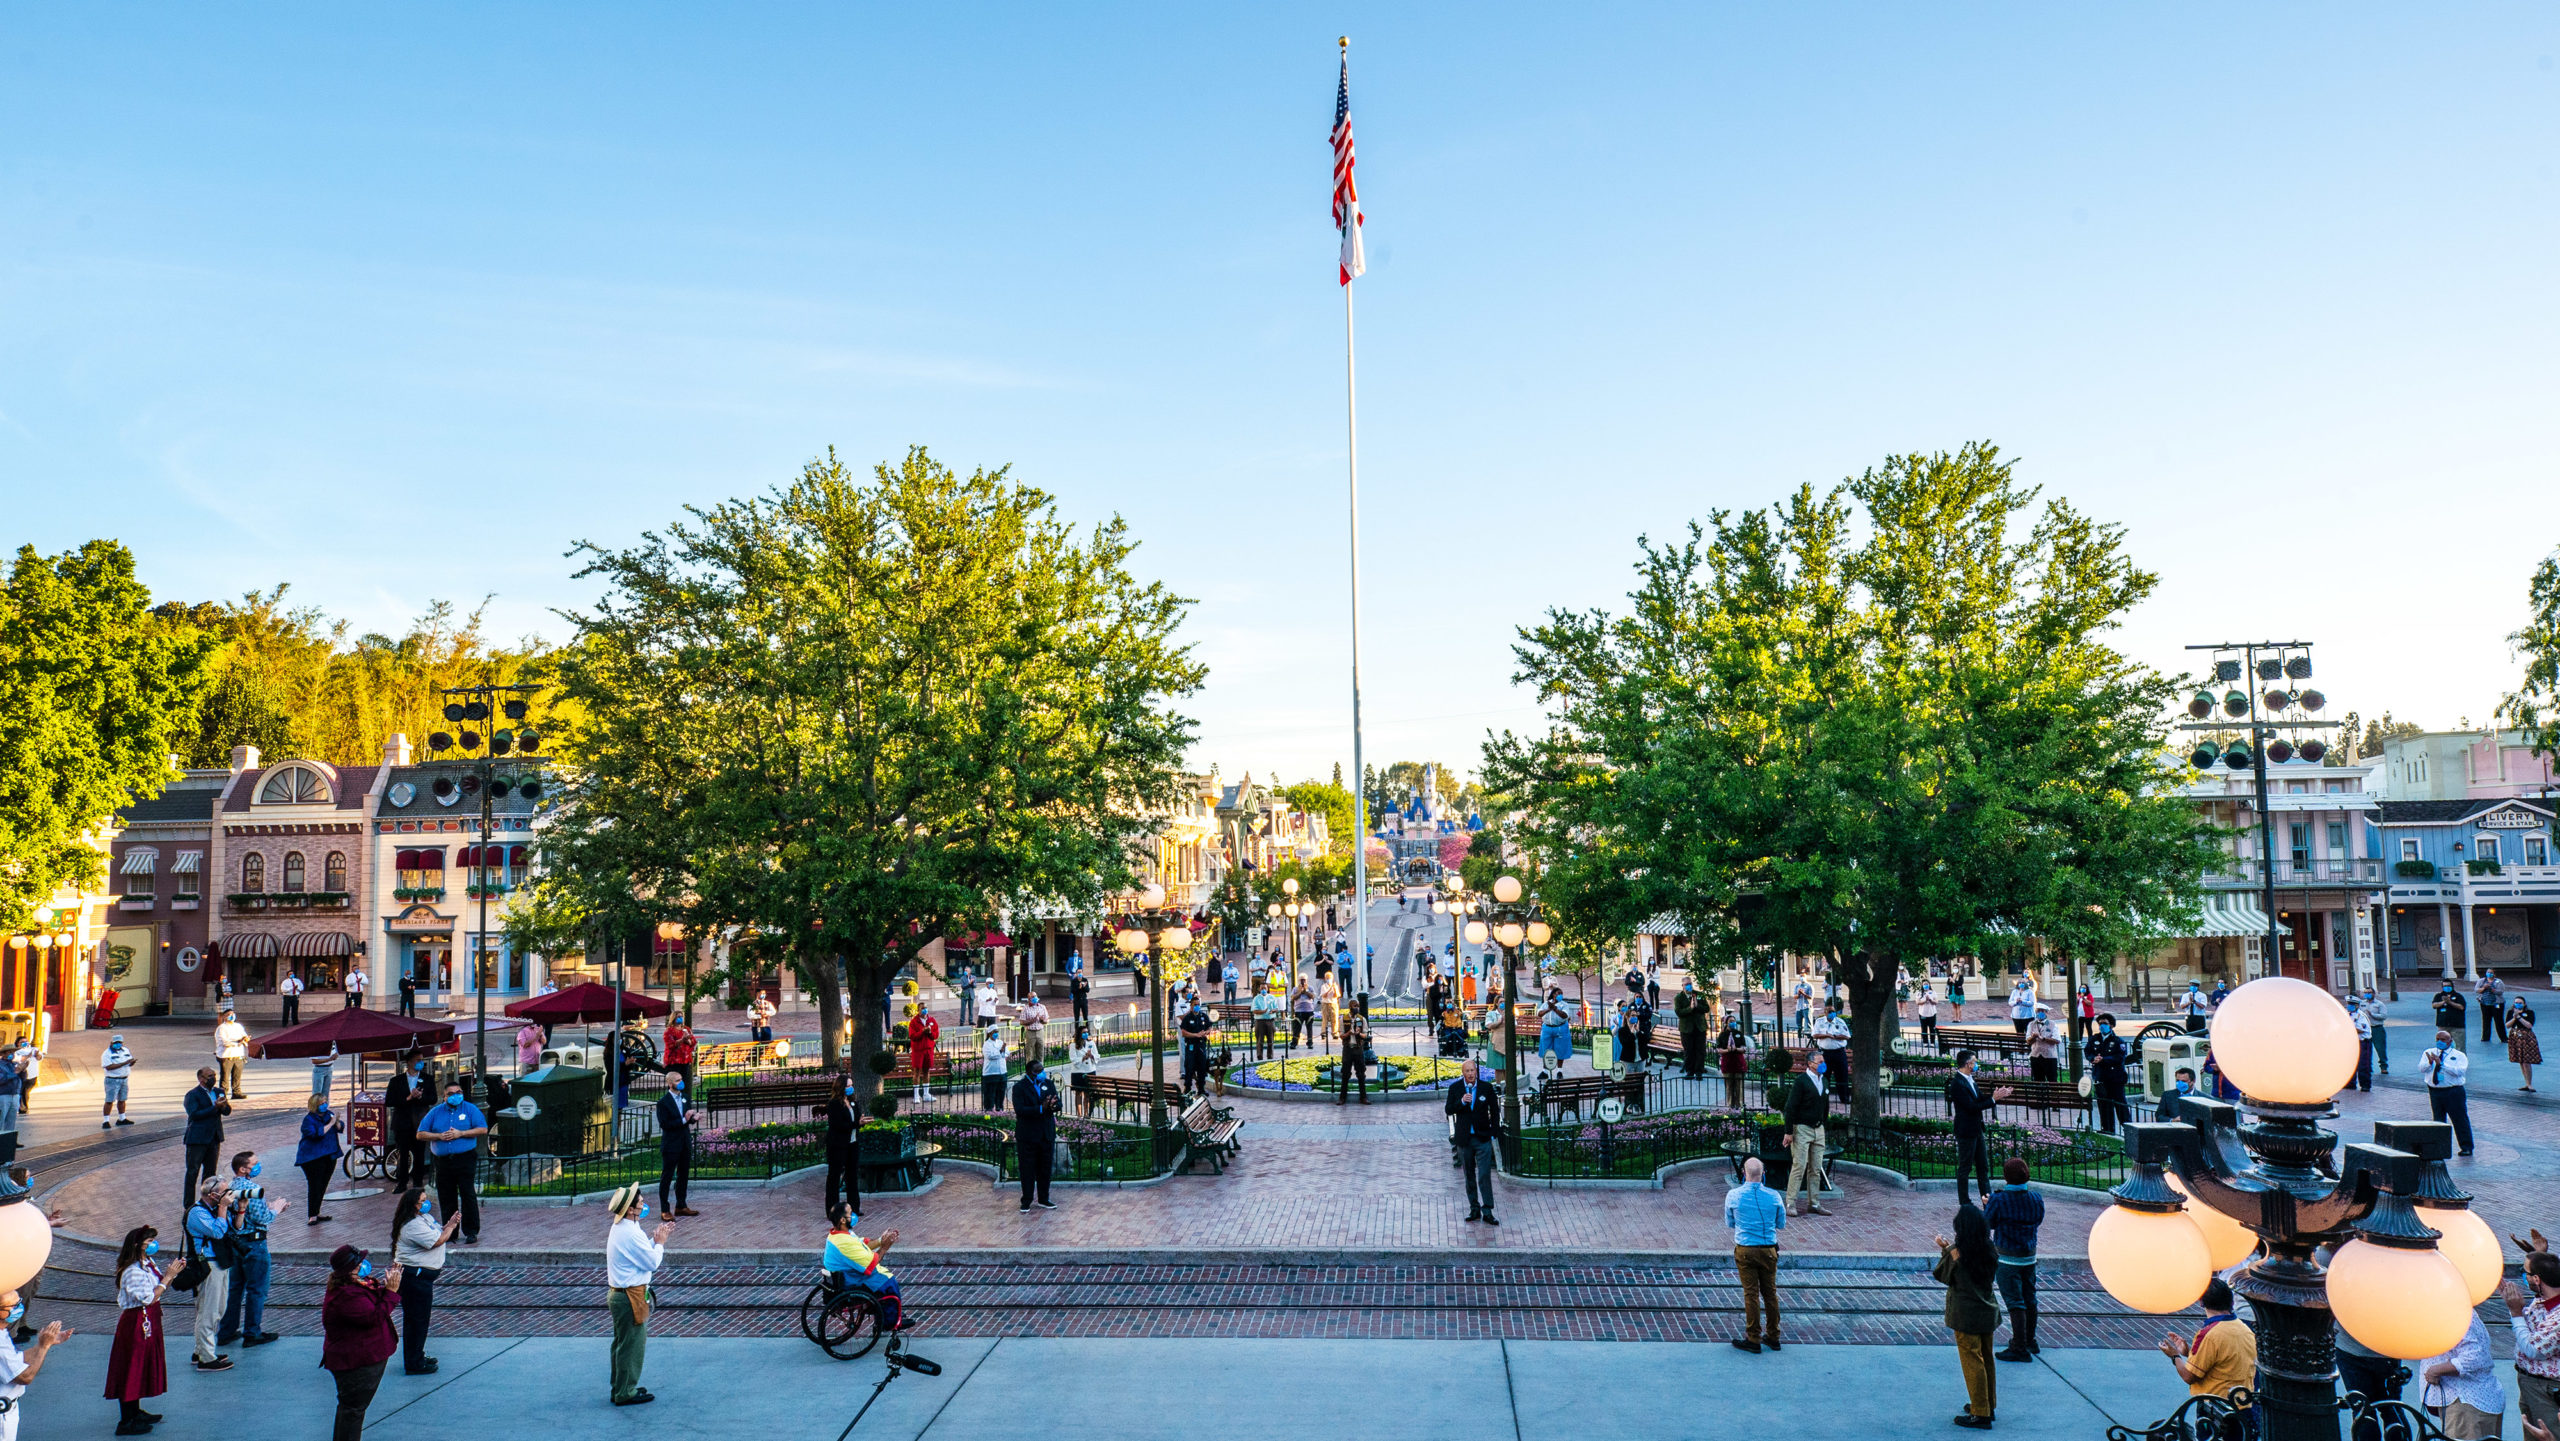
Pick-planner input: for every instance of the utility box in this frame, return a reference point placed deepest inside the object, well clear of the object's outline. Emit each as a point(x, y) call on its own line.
point(2161, 1058)
point(555, 1111)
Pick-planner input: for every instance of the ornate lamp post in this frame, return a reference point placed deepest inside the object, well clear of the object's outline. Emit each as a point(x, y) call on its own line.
point(2202, 1188)
point(480, 704)
point(1158, 945)
point(1510, 921)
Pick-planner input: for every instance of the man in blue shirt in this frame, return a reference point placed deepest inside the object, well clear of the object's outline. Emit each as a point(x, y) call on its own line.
point(2015, 1214)
point(1757, 1216)
point(452, 1132)
point(244, 1312)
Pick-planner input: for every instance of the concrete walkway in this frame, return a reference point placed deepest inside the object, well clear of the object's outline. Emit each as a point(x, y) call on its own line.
point(556, 1388)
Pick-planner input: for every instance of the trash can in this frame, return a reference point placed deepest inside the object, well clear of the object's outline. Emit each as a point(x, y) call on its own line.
point(555, 1111)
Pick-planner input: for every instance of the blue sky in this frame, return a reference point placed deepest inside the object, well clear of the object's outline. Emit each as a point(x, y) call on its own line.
point(396, 306)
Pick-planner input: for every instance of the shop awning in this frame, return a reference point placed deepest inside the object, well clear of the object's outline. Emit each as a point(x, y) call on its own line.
point(326, 945)
point(187, 863)
point(2236, 919)
point(248, 946)
point(140, 861)
point(978, 941)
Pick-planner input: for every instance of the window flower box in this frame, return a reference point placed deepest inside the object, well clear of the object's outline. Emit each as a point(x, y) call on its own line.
point(248, 900)
point(330, 900)
point(2481, 867)
point(2416, 870)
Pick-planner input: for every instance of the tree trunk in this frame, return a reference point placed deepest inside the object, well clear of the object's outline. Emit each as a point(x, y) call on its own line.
point(1870, 1002)
point(819, 971)
point(866, 1006)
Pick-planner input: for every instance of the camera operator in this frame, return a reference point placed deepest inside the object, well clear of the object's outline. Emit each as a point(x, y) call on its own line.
point(244, 1313)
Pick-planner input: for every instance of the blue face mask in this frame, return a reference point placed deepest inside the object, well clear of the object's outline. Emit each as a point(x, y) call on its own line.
point(643, 1213)
point(255, 1167)
point(151, 1248)
point(364, 1269)
point(16, 1314)
point(2106, 1028)
point(676, 1085)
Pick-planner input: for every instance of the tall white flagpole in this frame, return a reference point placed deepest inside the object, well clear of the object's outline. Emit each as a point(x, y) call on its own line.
point(1359, 770)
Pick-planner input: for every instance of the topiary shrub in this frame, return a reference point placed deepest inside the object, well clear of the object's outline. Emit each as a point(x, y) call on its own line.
point(883, 1062)
point(884, 1107)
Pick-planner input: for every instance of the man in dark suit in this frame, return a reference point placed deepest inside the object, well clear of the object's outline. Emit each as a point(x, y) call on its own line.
point(1475, 1125)
point(1967, 1102)
point(676, 1121)
point(1035, 1132)
point(404, 1101)
point(2173, 1106)
point(206, 1106)
point(844, 1149)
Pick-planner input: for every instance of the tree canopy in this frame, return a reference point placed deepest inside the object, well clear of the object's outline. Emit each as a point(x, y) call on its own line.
point(2535, 704)
point(842, 719)
point(94, 693)
point(1875, 725)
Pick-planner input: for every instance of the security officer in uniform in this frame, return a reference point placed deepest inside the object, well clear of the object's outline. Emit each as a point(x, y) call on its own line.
point(2107, 1060)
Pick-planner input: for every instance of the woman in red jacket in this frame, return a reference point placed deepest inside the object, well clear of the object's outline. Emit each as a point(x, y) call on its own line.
point(923, 1031)
point(356, 1332)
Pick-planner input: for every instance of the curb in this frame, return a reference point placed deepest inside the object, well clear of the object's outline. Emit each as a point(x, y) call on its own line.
point(1179, 1256)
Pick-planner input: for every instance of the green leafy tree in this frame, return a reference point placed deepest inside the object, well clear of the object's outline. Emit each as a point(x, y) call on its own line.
point(1872, 749)
point(1331, 801)
point(856, 714)
point(96, 692)
point(2535, 705)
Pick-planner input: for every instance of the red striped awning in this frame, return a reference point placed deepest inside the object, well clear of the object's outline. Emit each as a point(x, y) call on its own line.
point(249, 946)
point(325, 945)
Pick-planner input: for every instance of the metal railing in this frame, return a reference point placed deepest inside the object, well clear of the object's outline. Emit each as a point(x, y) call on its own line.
point(1917, 1148)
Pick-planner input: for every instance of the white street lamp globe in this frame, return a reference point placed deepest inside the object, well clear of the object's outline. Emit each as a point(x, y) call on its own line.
point(1152, 896)
point(2286, 1041)
point(26, 1239)
point(1540, 933)
point(2404, 1304)
point(2154, 1261)
point(2471, 1246)
point(2226, 1241)
point(1290, 885)
point(1439, 907)
point(1177, 938)
point(1511, 933)
point(1272, 910)
point(1506, 889)
point(1476, 932)
point(1130, 941)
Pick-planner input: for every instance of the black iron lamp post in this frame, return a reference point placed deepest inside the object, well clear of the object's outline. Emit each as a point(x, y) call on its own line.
point(473, 705)
point(1511, 921)
point(2262, 1172)
point(1157, 942)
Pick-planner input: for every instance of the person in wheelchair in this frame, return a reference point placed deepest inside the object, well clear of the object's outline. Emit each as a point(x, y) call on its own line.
point(849, 1261)
point(1453, 1034)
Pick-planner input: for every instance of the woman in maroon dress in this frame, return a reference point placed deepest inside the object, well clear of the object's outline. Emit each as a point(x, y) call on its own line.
point(138, 1367)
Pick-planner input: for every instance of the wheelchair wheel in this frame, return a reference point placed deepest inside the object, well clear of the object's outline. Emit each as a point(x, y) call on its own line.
point(849, 1326)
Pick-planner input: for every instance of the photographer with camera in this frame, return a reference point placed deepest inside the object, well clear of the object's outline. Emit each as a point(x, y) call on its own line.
point(209, 1240)
point(244, 1312)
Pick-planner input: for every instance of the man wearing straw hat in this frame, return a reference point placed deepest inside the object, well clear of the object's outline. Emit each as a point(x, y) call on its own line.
point(631, 1260)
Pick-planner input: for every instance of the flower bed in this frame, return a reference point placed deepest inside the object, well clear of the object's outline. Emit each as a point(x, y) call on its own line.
point(1316, 1073)
point(1095, 1150)
point(1919, 1147)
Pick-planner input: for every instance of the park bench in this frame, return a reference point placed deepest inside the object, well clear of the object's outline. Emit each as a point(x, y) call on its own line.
point(1125, 1094)
point(1584, 1093)
point(1209, 1133)
point(2043, 1097)
point(2002, 1040)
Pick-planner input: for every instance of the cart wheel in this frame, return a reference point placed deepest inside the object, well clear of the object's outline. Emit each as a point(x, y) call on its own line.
point(849, 1326)
point(365, 1163)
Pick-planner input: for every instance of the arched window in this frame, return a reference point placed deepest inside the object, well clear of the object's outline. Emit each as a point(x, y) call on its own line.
point(253, 873)
point(336, 872)
point(293, 870)
point(294, 786)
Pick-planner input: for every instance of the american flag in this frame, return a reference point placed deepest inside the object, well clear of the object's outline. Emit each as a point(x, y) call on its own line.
point(1346, 190)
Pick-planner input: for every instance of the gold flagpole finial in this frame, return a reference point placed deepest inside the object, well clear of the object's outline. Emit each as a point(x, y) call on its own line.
point(1346, 42)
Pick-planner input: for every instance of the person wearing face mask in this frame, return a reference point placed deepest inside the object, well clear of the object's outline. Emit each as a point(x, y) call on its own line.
point(1808, 1115)
point(404, 1101)
point(2381, 1031)
point(419, 1246)
point(2533, 1318)
point(844, 1149)
point(2107, 1062)
point(1969, 1103)
point(244, 1311)
point(17, 1368)
point(676, 1121)
point(452, 1133)
point(2173, 1106)
point(2448, 1073)
point(632, 1257)
point(138, 1363)
point(357, 1336)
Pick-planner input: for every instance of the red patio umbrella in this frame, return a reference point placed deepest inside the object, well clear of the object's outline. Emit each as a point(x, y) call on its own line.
point(584, 1002)
point(352, 1031)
